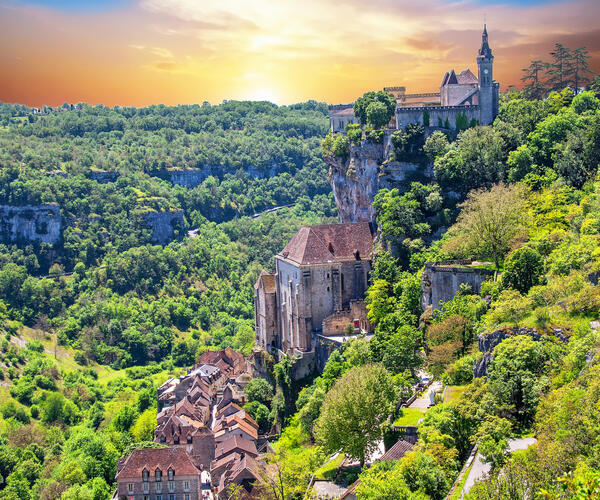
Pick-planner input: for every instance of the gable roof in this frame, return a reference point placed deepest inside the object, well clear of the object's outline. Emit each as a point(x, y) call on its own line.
point(466, 77)
point(397, 451)
point(330, 243)
point(452, 78)
point(236, 443)
point(176, 458)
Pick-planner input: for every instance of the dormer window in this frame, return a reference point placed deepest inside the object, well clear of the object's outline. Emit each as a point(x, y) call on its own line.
point(158, 475)
point(171, 474)
point(145, 475)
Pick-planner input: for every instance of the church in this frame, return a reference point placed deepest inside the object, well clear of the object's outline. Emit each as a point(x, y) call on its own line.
point(462, 95)
point(317, 288)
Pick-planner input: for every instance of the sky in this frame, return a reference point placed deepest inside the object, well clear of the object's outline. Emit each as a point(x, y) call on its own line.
point(140, 52)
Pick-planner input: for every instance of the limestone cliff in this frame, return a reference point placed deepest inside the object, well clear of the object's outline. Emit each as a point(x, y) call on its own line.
point(192, 177)
point(356, 180)
point(165, 226)
point(488, 341)
point(35, 224)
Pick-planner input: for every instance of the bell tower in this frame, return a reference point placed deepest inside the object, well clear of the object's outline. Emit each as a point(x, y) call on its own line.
point(487, 87)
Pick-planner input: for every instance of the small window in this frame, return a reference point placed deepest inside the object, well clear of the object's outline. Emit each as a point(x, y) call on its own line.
point(158, 475)
point(130, 487)
point(158, 487)
point(146, 487)
point(145, 475)
point(171, 473)
point(146, 497)
point(158, 497)
point(171, 486)
point(171, 497)
point(186, 496)
point(327, 288)
point(186, 485)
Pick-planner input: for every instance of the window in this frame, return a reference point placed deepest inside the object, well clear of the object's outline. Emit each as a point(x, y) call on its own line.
point(146, 487)
point(171, 474)
point(158, 497)
point(130, 487)
point(186, 496)
point(171, 497)
point(158, 487)
point(186, 485)
point(145, 475)
point(158, 475)
point(171, 486)
point(146, 497)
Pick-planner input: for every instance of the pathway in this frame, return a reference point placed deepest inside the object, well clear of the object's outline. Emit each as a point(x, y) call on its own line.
point(480, 469)
point(424, 400)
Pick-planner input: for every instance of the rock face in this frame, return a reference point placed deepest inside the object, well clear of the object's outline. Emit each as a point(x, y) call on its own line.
point(164, 224)
point(488, 341)
point(189, 177)
point(356, 180)
point(103, 176)
point(441, 280)
point(35, 224)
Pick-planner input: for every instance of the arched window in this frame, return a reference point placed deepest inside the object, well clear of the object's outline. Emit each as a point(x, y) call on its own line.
point(171, 474)
point(158, 475)
point(145, 475)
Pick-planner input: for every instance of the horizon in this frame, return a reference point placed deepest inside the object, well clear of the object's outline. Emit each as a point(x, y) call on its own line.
point(136, 53)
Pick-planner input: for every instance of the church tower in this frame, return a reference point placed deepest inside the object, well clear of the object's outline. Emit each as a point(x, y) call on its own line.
point(488, 89)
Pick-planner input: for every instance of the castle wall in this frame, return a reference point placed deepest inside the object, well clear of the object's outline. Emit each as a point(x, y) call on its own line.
point(265, 314)
point(406, 116)
point(441, 281)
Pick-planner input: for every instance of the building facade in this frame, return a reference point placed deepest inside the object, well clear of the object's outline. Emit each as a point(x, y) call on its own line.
point(320, 272)
point(462, 96)
point(159, 474)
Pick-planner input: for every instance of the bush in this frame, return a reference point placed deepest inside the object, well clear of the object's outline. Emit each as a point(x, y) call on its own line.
point(461, 371)
point(524, 268)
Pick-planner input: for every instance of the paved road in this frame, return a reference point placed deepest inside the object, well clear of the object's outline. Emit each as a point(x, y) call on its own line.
point(481, 469)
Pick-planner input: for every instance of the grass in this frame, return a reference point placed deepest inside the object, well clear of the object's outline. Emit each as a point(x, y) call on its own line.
point(328, 470)
point(409, 417)
point(453, 392)
point(461, 485)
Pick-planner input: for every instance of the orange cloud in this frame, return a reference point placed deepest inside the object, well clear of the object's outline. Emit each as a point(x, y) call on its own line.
point(185, 51)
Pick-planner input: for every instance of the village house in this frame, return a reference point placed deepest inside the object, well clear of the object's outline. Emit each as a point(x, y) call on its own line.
point(160, 474)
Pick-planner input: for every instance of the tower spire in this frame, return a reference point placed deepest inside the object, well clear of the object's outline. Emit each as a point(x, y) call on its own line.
point(485, 50)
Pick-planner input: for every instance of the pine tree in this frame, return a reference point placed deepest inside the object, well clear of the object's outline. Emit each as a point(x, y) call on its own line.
point(535, 88)
point(581, 68)
point(560, 70)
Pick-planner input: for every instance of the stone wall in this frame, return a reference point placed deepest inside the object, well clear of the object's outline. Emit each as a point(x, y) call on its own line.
point(163, 225)
point(488, 341)
point(103, 176)
point(30, 223)
point(336, 324)
point(441, 280)
point(405, 116)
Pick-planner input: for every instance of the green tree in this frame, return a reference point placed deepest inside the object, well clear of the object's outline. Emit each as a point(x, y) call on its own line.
point(492, 440)
point(524, 268)
point(354, 411)
point(377, 115)
point(534, 88)
point(385, 481)
point(489, 220)
point(422, 473)
point(362, 103)
point(258, 389)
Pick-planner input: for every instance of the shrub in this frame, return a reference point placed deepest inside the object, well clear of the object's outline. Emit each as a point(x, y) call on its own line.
point(524, 268)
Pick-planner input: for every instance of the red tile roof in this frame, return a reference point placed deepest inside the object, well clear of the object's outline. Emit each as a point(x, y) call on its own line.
point(163, 458)
point(397, 451)
point(330, 243)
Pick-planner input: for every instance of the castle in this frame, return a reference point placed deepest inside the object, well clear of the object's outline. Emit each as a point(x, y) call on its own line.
point(462, 95)
point(317, 288)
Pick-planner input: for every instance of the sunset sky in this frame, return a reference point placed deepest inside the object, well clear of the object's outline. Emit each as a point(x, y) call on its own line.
point(138, 52)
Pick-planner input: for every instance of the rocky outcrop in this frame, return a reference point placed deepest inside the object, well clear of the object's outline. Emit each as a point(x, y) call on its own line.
point(356, 180)
point(103, 176)
point(30, 223)
point(189, 177)
point(441, 280)
point(488, 341)
point(163, 225)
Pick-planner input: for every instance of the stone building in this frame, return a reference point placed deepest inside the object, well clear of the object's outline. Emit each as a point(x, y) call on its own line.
point(462, 95)
point(167, 473)
point(320, 272)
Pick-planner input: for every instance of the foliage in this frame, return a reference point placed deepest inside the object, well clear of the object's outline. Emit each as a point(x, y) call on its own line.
point(384, 114)
point(524, 268)
point(354, 410)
